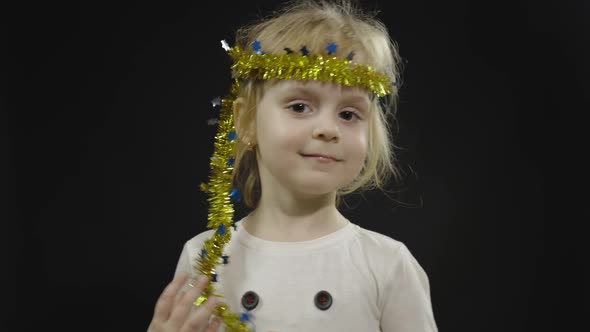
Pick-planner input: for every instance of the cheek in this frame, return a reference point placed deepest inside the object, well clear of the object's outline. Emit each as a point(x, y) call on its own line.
point(278, 130)
point(359, 142)
point(276, 135)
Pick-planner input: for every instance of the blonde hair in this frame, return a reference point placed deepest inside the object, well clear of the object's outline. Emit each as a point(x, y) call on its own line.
point(314, 24)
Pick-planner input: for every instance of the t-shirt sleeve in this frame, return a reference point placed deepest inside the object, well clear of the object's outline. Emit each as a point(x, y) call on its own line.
point(406, 304)
point(184, 265)
point(190, 251)
point(184, 262)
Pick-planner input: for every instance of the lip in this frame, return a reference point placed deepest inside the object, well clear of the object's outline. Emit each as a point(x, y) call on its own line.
point(320, 157)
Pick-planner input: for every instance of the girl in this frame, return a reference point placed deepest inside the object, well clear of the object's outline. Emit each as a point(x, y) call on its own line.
point(306, 123)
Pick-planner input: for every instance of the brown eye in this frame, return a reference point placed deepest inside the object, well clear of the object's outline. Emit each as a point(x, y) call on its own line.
point(298, 107)
point(348, 115)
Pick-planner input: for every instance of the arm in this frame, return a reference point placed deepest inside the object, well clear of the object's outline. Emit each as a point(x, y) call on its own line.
point(405, 297)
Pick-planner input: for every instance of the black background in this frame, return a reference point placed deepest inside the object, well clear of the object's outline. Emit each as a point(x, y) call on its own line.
point(106, 108)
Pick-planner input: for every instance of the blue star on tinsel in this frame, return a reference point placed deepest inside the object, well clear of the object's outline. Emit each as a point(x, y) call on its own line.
point(304, 51)
point(235, 194)
point(349, 56)
point(221, 229)
point(231, 135)
point(203, 253)
point(331, 48)
point(225, 259)
point(230, 162)
point(256, 47)
point(244, 317)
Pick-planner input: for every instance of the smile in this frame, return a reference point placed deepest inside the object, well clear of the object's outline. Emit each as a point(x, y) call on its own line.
point(321, 158)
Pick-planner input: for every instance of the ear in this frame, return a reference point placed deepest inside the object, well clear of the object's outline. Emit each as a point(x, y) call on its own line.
point(243, 121)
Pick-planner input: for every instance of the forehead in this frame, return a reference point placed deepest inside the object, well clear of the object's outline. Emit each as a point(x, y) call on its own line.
point(311, 86)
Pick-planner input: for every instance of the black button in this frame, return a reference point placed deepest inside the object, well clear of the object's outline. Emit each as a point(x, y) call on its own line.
point(323, 300)
point(250, 300)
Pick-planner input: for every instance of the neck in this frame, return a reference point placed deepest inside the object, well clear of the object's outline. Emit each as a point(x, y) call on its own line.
point(287, 218)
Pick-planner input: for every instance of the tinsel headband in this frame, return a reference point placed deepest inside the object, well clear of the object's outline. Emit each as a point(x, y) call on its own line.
point(305, 66)
point(260, 66)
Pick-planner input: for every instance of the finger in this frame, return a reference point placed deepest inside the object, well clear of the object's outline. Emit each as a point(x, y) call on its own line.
point(185, 303)
point(201, 316)
point(166, 299)
point(213, 325)
point(179, 297)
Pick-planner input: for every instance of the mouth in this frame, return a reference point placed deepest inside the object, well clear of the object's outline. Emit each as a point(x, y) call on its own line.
point(321, 157)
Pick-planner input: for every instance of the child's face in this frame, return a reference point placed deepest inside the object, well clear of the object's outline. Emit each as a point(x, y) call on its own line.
point(312, 136)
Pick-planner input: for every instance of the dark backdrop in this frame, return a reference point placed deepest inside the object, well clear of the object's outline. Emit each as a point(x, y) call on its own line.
point(106, 108)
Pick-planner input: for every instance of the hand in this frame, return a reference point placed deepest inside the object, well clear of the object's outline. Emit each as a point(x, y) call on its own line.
point(173, 313)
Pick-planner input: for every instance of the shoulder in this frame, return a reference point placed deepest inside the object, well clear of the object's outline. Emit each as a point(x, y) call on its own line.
point(394, 268)
point(190, 250)
point(377, 243)
point(385, 256)
point(193, 246)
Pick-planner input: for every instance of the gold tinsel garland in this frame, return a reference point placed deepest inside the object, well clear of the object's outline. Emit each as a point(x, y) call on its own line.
point(219, 188)
point(316, 67)
point(220, 217)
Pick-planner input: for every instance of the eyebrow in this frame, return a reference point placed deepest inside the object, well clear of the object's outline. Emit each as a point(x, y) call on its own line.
point(300, 90)
point(353, 97)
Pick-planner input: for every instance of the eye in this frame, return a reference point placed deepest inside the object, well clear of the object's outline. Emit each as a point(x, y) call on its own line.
point(349, 115)
point(299, 107)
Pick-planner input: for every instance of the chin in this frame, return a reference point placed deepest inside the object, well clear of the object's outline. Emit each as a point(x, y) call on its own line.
point(316, 188)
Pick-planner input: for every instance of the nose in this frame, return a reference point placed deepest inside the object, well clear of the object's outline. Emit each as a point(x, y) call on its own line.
point(326, 128)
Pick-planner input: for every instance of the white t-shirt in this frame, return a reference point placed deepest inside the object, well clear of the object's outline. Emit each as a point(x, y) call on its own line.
point(373, 282)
